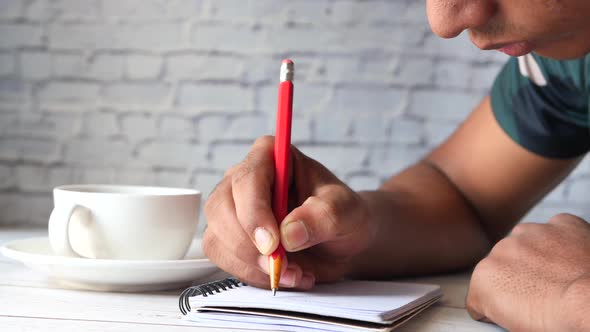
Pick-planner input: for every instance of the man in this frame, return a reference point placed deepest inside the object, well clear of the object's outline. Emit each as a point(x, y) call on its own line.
point(450, 210)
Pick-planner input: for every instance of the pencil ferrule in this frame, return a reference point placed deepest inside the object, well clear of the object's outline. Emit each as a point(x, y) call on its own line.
point(287, 72)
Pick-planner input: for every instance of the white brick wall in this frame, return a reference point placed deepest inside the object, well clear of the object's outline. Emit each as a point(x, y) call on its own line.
point(174, 92)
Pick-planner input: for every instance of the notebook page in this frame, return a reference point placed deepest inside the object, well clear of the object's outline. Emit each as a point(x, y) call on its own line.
point(260, 319)
point(361, 300)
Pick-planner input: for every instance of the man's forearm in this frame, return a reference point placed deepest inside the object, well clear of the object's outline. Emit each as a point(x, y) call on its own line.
point(424, 225)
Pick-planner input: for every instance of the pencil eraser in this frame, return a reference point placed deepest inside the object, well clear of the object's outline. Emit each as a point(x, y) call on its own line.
point(288, 61)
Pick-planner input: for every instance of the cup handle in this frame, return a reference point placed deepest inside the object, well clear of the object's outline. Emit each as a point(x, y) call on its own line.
point(59, 225)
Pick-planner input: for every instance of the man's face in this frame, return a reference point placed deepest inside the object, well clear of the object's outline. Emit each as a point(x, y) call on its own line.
point(558, 29)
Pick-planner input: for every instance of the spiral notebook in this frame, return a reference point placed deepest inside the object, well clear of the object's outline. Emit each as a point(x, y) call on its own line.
point(341, 306)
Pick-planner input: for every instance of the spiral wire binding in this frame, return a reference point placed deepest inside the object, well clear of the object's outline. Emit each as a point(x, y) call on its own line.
point(205, 290)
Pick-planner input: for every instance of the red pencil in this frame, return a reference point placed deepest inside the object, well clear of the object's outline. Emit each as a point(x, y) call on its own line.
point(281, 158)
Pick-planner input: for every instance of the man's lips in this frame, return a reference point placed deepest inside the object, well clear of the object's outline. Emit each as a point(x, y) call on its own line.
point(512, 48)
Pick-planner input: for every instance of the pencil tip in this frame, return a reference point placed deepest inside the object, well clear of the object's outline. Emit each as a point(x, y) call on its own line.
point(274, 292)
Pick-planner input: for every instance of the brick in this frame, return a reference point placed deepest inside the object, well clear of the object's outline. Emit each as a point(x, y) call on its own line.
point(43, 125)
point(101, 125)
point(105, 67)
point(143, 67)
point(366, 99)
point(89, 36)
point(301, 130)
point(411, 72)
point(439, 131)
point(69, 92)
point(139, 126)
point(24, 209)
point(102, 175)
point(343, 40)
point(78, 36)
point(97, 152)
point(224, 156)
point(44, 10)
point(270, 11)
point(309, 12)
point(182, 155)
point(308, 98)
point(368, 11)
point(35, 65)
point(305, 38)
point(375, 69)
point(338, 159)
point(29, 149)
point(328, 128)
point(7, 177)
point(215, 37)
point(388, 161)
point(11, 9)
point(406, 131)
point(209, 127)
point(452, 74)
point(370, 128)
point(98, 67)
point(248, 127)
point(69, 65)
point(416, 12)
point(14, 90)
point(8, 121)
point(579, 190)
point(214, 97)
point(443, 105)
point(484, 76)
point(363, 182)
point(151, 9)
point(201, 67)
point(152, 95)
point(131, 176)
point(257, 68)
point(247, 10)
point(7, 64)
point(177, 127)
point(349, 69)
point(206, 182)
point(173, 179)
point(20, 35)
point(33, 178)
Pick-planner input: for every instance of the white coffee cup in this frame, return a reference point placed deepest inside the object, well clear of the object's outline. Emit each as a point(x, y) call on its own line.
point(123, 222)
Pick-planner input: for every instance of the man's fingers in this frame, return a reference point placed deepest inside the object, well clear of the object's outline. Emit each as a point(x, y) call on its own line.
point(333, 214)
point(476, 295)
point(252, 192)
point(217, 253)
point(226, 229)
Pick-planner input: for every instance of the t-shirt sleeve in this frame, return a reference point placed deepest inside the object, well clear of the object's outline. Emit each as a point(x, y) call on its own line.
point(548, 119)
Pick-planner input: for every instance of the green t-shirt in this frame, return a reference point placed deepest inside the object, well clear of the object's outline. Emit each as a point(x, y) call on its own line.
point(544, 104)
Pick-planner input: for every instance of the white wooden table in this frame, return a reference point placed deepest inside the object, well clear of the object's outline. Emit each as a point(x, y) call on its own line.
point(29, 302)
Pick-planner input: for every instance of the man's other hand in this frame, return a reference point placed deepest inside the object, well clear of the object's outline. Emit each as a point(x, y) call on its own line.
point(536, 279)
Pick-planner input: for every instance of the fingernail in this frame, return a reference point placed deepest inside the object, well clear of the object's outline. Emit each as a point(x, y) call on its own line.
point(264, 240)
point(307, 281)
point(294, 234)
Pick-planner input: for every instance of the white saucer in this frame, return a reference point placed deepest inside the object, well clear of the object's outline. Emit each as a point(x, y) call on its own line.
point(111, 275)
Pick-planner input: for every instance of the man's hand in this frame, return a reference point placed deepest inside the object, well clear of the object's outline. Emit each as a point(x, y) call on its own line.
point(536, 279)
point(327, 226)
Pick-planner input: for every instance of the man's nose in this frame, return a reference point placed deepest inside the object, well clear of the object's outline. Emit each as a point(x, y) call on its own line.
point(448, 18)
